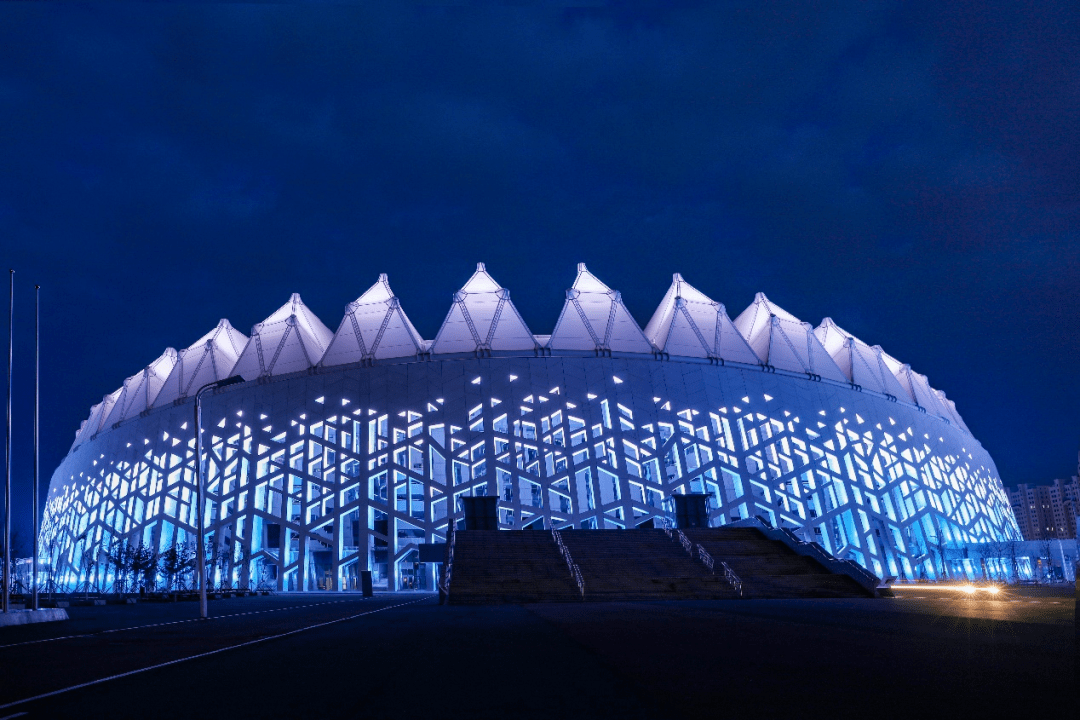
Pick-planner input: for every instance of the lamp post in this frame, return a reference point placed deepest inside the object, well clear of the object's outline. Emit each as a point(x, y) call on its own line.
point(200, 547)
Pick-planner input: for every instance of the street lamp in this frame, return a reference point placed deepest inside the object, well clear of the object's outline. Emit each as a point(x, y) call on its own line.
point(200, 549)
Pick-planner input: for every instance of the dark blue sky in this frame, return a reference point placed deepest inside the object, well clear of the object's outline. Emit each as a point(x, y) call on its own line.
point(910, 170)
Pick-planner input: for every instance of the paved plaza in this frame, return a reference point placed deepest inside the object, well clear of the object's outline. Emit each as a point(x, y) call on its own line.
point(403, 655)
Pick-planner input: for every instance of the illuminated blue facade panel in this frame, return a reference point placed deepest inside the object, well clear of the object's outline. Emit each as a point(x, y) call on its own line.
point(314, 476)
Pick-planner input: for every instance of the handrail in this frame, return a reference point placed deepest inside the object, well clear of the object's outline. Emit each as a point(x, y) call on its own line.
point(853, 570)
point(705, 557)
point(575, 571)
point(452, 539)
point(687, 546)
point(731, 577)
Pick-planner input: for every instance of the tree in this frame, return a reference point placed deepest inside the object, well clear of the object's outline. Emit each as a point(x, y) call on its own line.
point(1012, 552)
point(997, 551)
point(266, 580)
point(175, 563)
point(1045, 550)
point(121, 557)
point(89, 566)
point(52, 559)
point(938, 549)
point(242, 562)
point(7, 575)
point(144, 566)
point(220, 563)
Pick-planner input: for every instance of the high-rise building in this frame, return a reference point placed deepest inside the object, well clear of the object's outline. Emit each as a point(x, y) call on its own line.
point(1047, 511)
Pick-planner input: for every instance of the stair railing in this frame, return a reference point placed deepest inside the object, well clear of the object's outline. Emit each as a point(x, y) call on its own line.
point(705, 557)
point(449, 559)
point(575, 571)
point(686, 544)
point(708, 560)
point(731, 577)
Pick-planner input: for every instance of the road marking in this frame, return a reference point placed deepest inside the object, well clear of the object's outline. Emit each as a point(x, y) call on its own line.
point(8, 717)
point(201, 655)
point(175, 622)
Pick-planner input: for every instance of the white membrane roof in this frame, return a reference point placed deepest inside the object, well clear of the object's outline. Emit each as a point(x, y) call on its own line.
point(140, 391)
point(208, 359)
point(290, 340)
point(950, 406)
point(921, 391)
point(84, 426)
point(783, 341)
point(860, 363)
point(96, 422)
point(594, 318)
point(374, 328)
point(482, 318)
point(688, 323)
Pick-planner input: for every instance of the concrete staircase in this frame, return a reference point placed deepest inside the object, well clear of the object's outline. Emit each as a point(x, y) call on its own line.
point(769, 568)
point(641, 565)
point(493, 566)
point(497, 566)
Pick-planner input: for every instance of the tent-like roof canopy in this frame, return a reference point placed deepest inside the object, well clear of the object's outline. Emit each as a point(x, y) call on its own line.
point(96, 422)
point(482, 318)
point(780, 339)
point(950, 407)
point(594, 318)
point(140, 390)
point(82, 432)
point(920, 390)
point(688, 323)
point(374, 328)
point(208, 359)
point(290, 340)
point(860, 363)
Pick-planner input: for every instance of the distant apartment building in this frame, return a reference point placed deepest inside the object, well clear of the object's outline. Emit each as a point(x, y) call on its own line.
point(1047, 511)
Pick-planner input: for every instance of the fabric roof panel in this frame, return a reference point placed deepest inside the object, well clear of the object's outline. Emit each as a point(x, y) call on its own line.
point(482, 318)
point(595, 318)
point(290, 340)
point(140, 391)
point(208, 359)
point(374, 327)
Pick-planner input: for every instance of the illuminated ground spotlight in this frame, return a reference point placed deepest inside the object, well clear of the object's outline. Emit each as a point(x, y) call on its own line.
point(967, 589)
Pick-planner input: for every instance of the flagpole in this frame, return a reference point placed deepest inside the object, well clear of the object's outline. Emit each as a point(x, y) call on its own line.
point(7, 449)
point(37, 408)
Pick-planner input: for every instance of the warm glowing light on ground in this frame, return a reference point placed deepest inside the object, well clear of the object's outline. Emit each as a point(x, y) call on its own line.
point(969, 589)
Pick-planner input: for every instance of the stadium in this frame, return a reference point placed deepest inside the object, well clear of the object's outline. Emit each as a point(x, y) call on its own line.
point(344, 451)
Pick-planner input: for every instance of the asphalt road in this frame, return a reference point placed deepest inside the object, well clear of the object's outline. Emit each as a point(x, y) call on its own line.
point(404, 655)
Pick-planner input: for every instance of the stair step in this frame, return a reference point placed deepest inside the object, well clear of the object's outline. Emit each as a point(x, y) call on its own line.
point(515, 567)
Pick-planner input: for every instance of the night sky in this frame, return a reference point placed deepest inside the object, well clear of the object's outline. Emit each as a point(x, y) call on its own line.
point(910, 170)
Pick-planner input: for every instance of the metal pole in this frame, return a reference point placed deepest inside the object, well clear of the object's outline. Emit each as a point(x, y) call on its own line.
point(7, 449)
point(200, 549)
point(37, 409)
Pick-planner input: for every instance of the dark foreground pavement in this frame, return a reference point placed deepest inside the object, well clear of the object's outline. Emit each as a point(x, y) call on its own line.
point(405, 656)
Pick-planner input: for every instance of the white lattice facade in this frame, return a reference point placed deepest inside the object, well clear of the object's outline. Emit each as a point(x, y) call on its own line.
point(329, 468)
